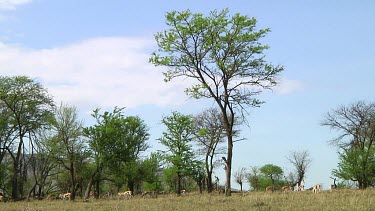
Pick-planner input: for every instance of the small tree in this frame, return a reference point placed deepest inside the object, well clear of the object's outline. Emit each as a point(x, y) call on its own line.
point(239, 176)
point(152, 169)
point(178, 138)
point(224, 57)
point(210, 134)
point(254, 178)
point(301, 162)
point(69, 143)
point(198, 174)
point(43, 164)
point(273, 172)
point(116, 142)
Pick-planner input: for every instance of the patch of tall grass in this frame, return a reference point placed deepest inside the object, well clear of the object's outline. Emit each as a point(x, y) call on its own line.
point(325, 200)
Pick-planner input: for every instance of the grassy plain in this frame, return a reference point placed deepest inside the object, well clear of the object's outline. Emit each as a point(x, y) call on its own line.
point(336, 200)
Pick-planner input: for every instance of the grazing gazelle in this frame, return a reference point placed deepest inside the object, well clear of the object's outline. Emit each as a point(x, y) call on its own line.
point(316, 188)
point(287, 188)
point(334, 186)
point(269, 188)
point(151, 194)
point(65, 196)
point(128, 194)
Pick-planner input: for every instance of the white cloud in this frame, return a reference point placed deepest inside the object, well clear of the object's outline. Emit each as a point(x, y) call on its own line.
point(101, 72)
point(12, 4)
point(288, 86)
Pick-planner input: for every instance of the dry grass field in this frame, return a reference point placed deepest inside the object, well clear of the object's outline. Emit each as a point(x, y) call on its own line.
point(325, 200)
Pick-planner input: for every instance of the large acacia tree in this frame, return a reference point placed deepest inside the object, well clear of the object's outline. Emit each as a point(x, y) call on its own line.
point(224, 57)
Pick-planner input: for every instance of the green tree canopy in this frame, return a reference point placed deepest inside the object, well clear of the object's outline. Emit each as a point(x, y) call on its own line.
point(116, 142)
point(273, 172)
point(152, 171)
point(357, 165)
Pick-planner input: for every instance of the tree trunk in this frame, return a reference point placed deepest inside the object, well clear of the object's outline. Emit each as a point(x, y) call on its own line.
point(228, 125)
point(228, 169)
point(209, 174)
point(209, 183)
point(97, 188)
point(31, 191)
point(40, 190)
point(15, 182)
point(204, 183)
point(73, 182)
point(131, 186)
point(17, 172)
point(178, 184)
point(88, 189)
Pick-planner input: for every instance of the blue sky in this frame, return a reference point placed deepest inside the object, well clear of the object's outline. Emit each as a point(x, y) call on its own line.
point(95, 54)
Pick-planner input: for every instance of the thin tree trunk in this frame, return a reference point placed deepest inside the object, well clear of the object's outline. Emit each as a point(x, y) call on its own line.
point(228, 170)
point(73, 182)
point(16, 172)
point(209, 183)
point(31, 191)
point(88, 189)
point(15, 181)
point(40, 189)
point(209, 175)
point(204, 183)
point(178, 184)
point(200, 184)
point(97, 188)
point(210, 171)
point(131, 186)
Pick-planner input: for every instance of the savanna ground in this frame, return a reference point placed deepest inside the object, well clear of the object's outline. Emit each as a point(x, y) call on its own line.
point(325, 200)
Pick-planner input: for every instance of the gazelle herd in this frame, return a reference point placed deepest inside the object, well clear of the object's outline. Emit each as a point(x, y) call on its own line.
point(153, 194)
point(315, 189)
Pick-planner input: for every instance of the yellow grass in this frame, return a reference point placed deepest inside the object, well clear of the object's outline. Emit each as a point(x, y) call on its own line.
point(336, 200)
